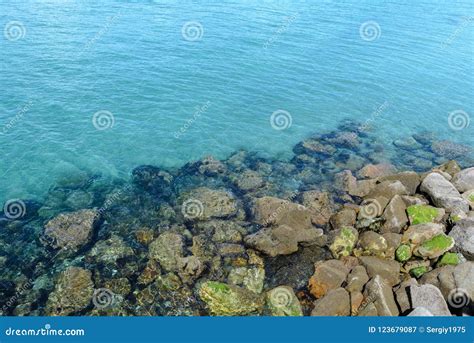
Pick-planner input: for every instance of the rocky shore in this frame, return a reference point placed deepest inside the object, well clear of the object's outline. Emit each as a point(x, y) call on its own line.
point(342, 229)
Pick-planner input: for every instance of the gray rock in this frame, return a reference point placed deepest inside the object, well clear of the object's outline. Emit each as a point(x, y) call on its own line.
point(463, 235)
point(380, 293)
point(464, 278)
point(410, 180)
point(387, 269)
point(464, 180)
point(395, 215)
point(443, 193)
point(420, 312)
point(441, 278)
point(356, 279)
point(402, 294)
point(417, 234)
point(429, 297)
point(388, 189)
point(336, 303)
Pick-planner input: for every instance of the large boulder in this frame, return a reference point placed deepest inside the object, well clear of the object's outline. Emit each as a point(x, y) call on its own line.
point(417, 234)
point(320, 205)
point(443, 193)
point(73, 292)
point(168, 250)
point(70, 231)
point(410, 180)
point(435, 246)
point(464, 180)
point(395, 215)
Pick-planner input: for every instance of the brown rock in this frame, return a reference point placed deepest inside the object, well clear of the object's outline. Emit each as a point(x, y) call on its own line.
point(387, 269)
point(335, 303)
point(395, 216)
point(327, 275)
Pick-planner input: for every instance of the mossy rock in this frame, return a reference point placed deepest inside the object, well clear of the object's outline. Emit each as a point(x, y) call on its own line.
point(435, 246)
point(420, 214)
point(344, 242)
point(403, 253)
point(449, 258)
point(228, 300)
point(418, 271)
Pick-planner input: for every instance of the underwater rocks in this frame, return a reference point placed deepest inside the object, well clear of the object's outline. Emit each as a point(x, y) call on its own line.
point(70, 231)
point(72, 293)
point(282, 301)
point(286, 224)
point(153, 180)
point(228, 300)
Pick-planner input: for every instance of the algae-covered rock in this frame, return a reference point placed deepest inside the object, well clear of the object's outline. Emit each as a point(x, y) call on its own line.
point(435, 246)
point(205, 203)
point(371, 244)
point(73, 292)
point(417, 234)
point(403, 253)
point(343, 242)
point(449, 258)
point(420, 214)
point(282, 301)
point(251, 278)
point(417, 272)
point(228, 300)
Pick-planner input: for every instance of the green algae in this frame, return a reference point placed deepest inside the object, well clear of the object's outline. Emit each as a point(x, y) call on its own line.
point(449, 258)
point(403, 253)
point(420, 214)
point(418, 271)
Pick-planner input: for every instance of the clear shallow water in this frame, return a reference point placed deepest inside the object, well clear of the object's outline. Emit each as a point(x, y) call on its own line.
point(131, 59)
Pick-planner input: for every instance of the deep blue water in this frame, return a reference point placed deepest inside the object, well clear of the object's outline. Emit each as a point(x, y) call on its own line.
point(175, 95)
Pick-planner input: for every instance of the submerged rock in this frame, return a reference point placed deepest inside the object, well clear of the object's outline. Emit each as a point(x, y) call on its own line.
point(72, 293)
point(282, 301)
point(167, 249)
point(110, 250)
point(70, 231)
point(228, 300)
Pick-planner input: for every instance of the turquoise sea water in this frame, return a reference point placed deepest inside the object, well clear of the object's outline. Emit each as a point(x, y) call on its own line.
point(175, 81)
